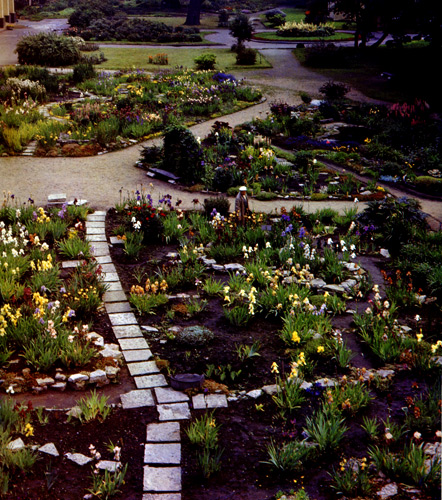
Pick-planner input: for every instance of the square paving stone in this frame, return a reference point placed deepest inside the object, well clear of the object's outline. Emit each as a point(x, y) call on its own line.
point(96, 237)
point(162, 496)
point(110, 277)
point(99, 249)
point(118, 307)
point(108, 267)
point(94, 230)
point(168, 395)
point(137, 399)
point(162, 453)
point(131, 344)
point(97, 213)
point(173, 411)
point(95, 223)
point(104, 259)
point(143, 368)
point(165, 432)
point(138, 355)
point(162, 478)
point(119, 319)
point(114, 286)
point(68, 264)
point(216, 401)
point(150, 381)
point(199, 402)
point(127, 331)
point(114, 296)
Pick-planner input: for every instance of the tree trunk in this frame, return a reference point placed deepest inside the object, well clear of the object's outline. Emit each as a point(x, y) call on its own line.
point(378, 42)
point(193, 13)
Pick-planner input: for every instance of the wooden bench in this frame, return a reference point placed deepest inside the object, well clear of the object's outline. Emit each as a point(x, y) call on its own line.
point(163, 174)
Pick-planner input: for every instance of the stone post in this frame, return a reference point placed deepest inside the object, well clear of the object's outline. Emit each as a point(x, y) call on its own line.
point(12, 16)
point(2, 14)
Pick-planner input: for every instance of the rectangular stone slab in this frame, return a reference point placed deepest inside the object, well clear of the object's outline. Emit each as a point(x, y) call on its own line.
point(162, 453)
point(165, 432)
point(137, 399)
point(162, 479)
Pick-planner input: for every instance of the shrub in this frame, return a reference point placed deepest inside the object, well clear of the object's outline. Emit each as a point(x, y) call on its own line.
point(222, 179)
point(205, 61)
point(294, 29)
point(246, 57)
point(82, 72)
point(220, 204)
point(428, 184)
point(48, 49)
point(333, 91)
point(182, 154)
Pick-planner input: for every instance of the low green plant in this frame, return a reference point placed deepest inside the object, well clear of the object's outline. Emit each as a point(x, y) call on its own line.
point(225, 373)
point(245, 352)
point(353, 479)
point(133, 244)
point(348, 398)
point(93, 407)
point(107, 485)
point(237, 315)
point(42, 417)
point(289, 396)
point(74, 248)
point(195, 307)
point(326, 428)
point(212, 287)
point(290, 456)
point(205, 62)
point(147, 303)
point(371, 427)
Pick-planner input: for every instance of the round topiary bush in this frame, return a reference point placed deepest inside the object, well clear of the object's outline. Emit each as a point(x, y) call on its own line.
point(48, 49)
point(194, 335)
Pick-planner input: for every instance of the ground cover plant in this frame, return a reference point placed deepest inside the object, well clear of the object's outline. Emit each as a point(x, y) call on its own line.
point(274, 330)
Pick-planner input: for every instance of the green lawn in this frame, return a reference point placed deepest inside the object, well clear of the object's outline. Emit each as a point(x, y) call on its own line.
point(137, 57)
point(297, 16)
point(208, 21)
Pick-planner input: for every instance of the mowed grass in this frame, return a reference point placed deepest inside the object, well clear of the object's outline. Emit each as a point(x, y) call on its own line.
point(208, 21)
point(137, 57)
point(277, 38)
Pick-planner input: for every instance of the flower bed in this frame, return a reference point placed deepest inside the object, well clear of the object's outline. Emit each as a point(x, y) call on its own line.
point(329, 367)
point(121, 110)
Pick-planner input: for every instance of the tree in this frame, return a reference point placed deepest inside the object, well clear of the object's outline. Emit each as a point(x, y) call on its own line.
point(193, 13)
point(317, 11)
point(241, 28)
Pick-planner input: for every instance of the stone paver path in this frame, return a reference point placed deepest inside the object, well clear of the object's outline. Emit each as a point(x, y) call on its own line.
point(162, 452)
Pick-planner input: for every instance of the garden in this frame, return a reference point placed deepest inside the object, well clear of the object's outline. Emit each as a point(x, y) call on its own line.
point(322, 329)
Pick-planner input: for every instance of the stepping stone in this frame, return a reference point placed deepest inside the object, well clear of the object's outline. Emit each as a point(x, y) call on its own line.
point(50, 449)
point(118, 307)
point(94, 230)
point(108, 267)
point(162, 496)
point(143, 368)
point(173, 411)
point(68, 264)
point(15, 445)
point(199, 402)
point(168, 395)
point(116, 242)
point(104, 259)
point(95, 237)
point(108, 277)
point(165, 432)
point(96, 218)
point(150, 381)
point(127, 331)
point(121, 319)
point(99, 249)
point(162, 478)
point(162, 453)
point(114, 296)
point(98, 213)
point(95, 224)
point(137, 399)
point(114, 286)
point(132, 344)
point(139, 355)
point(216, 401)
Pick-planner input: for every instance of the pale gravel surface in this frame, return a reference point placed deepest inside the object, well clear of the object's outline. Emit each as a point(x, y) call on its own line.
point(104, 180)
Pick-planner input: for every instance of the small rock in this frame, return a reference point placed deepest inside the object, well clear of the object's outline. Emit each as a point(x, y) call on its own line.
point(59, 386)
point(15, 445)
point(255, 394)
point(75, 412)
point(270, 389)
point(385, 253)
point(78, 377)
point(60, 377)
point(150, 329)
point(387, 491)
point(112, 372)
point(50, 449)
point(108, 465)
point(98, 377)
point(43, 382)
point(78, 458)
